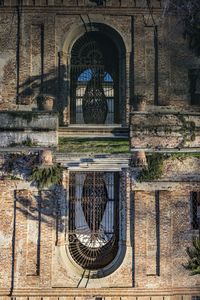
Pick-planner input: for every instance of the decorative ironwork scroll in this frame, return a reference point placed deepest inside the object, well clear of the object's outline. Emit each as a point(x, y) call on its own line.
point(94, 77)
point(93, 218)
point(94, 104)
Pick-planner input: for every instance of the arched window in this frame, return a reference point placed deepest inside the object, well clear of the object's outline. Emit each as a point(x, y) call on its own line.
point(93, 218)
point(94, 80)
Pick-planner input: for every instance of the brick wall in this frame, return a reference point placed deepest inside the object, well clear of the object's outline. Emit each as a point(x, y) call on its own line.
point(43, 35)
point(156, 226)
point(154, 216)
point(164, 131)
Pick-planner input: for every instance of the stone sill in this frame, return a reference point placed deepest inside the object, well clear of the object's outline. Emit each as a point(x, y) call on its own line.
point(28, 128)
point(164, 130)
point(24, 149)
point(166, 150)
point(185, 110)
point(118, 10)
point(119, 291)
point(164, 111)
point(93, 162)
point(15, 120)
point(148, 186)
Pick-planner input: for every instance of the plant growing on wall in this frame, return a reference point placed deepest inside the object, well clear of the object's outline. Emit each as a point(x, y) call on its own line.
point(154, 169)
point(193, 263)
point(45, 176)
point(187, 130)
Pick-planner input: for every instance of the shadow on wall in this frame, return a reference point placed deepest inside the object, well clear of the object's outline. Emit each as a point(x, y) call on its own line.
point(52, 83)
point(99, 2)
point(40, 205)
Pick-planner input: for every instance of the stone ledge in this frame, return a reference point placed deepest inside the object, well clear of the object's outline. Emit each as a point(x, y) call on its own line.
point(165, 186)
point(23, 120)
point(27, 128)
point(125, 291)
point(163, 131)
point(21, 138)
point(99, 163)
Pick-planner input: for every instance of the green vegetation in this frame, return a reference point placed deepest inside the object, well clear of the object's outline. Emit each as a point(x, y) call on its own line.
point(47, 176)
point(28, 143)
point(193, 263)
point(10, 177)
point(154, 169)
point(96, 145)
point(183, 155)
point(187, 130)
point(155, 163)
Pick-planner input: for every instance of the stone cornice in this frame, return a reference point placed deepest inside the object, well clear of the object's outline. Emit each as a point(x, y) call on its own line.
point(164, 131)
point(104, 292)
point(165, 186)
point(98, 162)
point(120, 11)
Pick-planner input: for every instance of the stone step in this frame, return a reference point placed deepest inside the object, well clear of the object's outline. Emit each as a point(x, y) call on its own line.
point(93, 131)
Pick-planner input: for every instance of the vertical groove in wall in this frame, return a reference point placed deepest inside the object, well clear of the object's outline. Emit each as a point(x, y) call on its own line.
point(151, 236)
point(59, 75)
point(139, 56)
point(13, 246)
point(149, 89)
point(33, 236)
point(132, 234)
point(156, 87)
point(132, 63)
point(140, 207)
point(39, 234)
point(57, 221)
point(157, 208)
point(42, 58)
point(18, 50)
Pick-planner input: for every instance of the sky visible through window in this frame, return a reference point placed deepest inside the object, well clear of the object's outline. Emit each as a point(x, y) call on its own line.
point(87, 76)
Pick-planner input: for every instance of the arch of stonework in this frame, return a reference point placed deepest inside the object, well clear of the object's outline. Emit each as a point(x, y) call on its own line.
point(64, 258)
point(65, 46)
point(76, 31)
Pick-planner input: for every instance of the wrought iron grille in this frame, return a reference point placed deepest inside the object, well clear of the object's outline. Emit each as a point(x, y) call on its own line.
point(195, 199)
point(94, 80)
point(93, 218)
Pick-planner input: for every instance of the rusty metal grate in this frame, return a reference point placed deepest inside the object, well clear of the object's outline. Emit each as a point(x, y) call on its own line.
point(93, 218)
point(94, 80)
point(195, 203)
